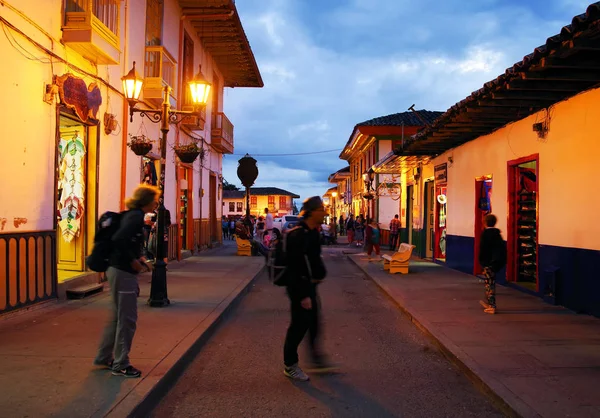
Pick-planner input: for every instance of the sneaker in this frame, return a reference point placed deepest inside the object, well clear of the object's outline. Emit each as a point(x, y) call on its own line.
point(104, 364)
point(490, 310)
point(128, 371)
point(295, 373)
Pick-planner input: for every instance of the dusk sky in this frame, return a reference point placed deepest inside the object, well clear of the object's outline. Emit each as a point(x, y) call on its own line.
point(328, 65)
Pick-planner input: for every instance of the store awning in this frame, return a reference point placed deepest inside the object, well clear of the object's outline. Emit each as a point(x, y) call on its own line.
point(218, 25)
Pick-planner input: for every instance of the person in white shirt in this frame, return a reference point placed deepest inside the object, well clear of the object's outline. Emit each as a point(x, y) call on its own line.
point(268, 221)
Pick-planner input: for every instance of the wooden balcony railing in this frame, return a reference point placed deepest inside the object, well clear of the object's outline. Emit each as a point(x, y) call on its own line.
point(160, 70)
point(222, 133)
point(91, 27)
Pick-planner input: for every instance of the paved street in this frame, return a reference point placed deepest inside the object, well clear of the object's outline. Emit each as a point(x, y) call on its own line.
point(388, 367)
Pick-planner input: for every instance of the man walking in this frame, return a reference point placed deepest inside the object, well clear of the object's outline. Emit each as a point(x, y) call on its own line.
point(307, 270)
point(394, 230)
point(350, 227)
point(126, 262)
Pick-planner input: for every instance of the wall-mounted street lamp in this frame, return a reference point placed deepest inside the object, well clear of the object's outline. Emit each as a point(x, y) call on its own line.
point(368, 178)
point(132, 87)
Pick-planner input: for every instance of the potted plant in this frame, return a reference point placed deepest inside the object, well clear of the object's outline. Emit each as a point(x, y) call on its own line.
point(188, 153)
point(140, 144)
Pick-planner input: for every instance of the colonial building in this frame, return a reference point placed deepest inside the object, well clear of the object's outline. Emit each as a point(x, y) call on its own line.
point(520, 147)
point(279, 202)
point(73, 158)
point(342, 180)
point(379, 196)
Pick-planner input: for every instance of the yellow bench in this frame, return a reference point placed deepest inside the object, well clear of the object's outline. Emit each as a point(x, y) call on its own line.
point(398, 262)
point(243, 246)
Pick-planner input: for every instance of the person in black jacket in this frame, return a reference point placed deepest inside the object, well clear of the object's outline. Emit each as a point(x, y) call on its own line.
point(126, 262)
point(492, 257)
point(303, 249)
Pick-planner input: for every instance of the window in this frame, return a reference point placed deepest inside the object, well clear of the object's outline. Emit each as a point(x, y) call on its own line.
point(240, 207)
point(253, 202)
point(154, 22)
point(231, 206)
point(283, 203)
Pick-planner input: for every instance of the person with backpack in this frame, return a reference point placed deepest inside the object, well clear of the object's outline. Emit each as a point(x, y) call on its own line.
point(492, 257)
point(305, 270)
point(125, 262)
point(232, 229)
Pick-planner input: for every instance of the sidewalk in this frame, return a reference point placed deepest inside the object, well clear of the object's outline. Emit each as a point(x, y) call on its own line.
point(537, 359)
point(46, 355)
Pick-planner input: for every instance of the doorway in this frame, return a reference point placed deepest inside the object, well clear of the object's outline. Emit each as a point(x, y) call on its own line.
point(409, 213)
point(523, 183)
point(483, 206)
point(76, 194)
point(439, 250)
point(429, 219)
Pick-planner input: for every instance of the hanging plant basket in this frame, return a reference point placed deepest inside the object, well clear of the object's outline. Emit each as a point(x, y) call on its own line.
point(189, 152)
point(140, 144)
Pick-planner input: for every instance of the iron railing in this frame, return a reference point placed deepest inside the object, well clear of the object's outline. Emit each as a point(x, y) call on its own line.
point(27, 269)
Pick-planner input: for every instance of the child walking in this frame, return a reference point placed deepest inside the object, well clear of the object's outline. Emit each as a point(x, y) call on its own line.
point(492, 257)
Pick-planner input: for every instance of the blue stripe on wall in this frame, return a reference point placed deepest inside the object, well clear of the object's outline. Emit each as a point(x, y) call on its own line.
point(571, 273)
point(577, 276)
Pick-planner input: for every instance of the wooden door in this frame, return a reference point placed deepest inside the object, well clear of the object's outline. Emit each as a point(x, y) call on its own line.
point(429, 218)
point(409, 213)
point(212, 210)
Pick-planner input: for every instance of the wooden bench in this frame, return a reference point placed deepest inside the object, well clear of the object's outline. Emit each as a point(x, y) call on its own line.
point(243, 247)
point(398, 262)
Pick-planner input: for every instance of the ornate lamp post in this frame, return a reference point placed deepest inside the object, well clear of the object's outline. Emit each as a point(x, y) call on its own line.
point(132, 87)
point(368, 178)
point(247, 172)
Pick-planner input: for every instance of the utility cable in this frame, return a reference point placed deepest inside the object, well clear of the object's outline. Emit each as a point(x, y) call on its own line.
point(290, 154)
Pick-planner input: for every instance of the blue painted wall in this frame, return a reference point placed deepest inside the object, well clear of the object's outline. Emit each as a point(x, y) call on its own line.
point(572, 275)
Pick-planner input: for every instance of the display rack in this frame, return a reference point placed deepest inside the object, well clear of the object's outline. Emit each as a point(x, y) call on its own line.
point(527, 236)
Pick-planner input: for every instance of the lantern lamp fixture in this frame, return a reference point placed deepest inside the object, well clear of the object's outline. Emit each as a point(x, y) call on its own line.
point(132, 87)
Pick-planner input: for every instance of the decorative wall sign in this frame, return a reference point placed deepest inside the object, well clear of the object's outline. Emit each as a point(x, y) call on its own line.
point(84, 100)
point(441, 173)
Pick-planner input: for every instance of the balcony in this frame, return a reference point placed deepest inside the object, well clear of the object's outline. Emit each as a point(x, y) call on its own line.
point(160, 70)
point(222, 133)
point(91, 28)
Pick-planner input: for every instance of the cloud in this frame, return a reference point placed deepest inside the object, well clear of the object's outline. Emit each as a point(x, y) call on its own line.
point(330, 65)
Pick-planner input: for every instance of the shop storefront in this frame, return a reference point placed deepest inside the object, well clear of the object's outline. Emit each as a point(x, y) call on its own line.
point(77, 141)
point(441, 204)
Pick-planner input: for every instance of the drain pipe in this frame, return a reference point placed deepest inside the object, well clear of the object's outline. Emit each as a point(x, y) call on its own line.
point(125, 113)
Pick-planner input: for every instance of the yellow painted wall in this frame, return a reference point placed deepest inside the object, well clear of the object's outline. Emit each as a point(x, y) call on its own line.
point(567, 162)
point(28, 124)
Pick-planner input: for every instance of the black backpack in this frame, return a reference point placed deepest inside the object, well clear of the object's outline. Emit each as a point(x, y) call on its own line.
point(279, 274)
point(108, 224)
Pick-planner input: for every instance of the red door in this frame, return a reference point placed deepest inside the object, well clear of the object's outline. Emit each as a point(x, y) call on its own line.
point(483, 206)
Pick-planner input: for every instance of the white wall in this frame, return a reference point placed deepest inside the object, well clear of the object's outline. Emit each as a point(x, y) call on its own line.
point(567, 160)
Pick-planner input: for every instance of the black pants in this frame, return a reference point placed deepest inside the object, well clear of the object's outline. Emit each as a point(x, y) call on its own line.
point(393, 241)
point(302, 320)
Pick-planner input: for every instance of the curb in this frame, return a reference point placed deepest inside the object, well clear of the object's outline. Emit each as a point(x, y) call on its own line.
point(507, 402)
point(145, 396)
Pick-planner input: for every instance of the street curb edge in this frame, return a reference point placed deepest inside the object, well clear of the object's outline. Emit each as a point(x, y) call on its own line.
point(504, 406)
point(162, 385)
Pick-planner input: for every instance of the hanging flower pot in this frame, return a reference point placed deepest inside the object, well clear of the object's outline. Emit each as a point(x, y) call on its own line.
point(140, 144)
point(189, 152)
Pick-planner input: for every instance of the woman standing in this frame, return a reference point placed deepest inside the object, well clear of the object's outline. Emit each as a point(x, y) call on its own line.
point(372, 237)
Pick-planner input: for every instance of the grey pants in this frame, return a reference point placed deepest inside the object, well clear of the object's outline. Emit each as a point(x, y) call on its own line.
point(119, 332)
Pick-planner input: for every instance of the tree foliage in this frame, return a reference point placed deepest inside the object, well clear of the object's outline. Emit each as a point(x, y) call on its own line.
point(229, 186)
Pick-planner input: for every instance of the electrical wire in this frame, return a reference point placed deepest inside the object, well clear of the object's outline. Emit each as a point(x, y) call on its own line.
point(291, 154)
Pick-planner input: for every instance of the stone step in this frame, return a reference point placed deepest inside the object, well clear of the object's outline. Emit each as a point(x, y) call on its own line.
point(83, 291)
